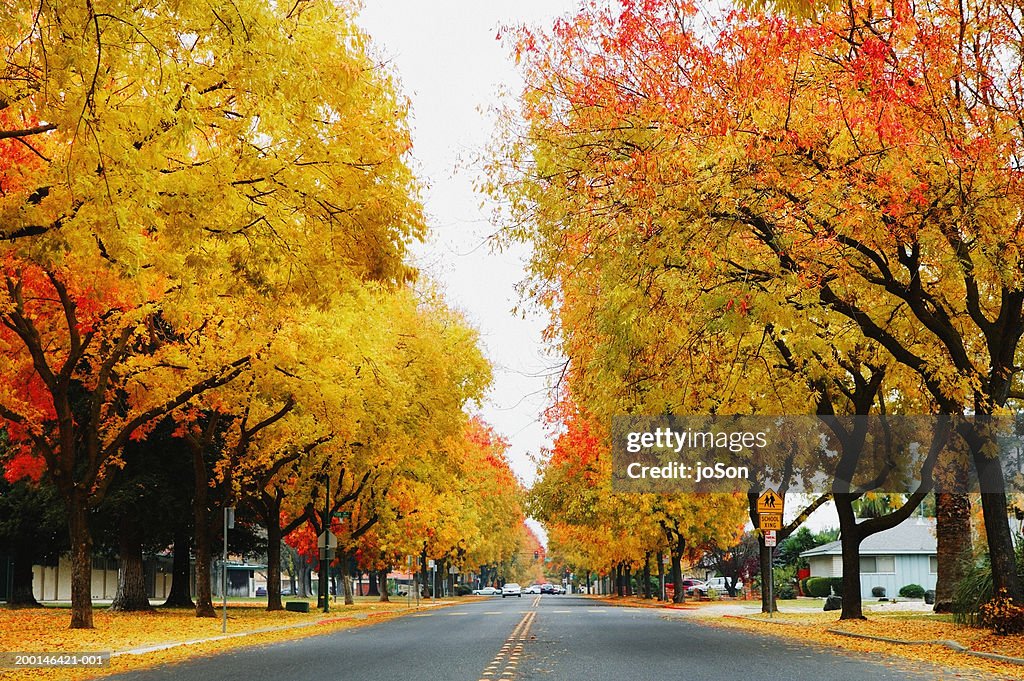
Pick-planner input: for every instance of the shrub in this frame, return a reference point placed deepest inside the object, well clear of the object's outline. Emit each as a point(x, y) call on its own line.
point(818, 586)
point(912, 591)
point(1002, 615)
point(878, 591)
point(803, 586)
point(836, 584)
point(463, 590)
point(785, 592)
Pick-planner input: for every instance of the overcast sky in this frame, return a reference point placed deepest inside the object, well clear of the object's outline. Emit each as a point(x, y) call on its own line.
point(451, 66)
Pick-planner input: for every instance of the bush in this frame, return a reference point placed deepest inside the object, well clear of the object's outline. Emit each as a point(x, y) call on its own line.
point(912, 591)
point(463, 590)
point(836, 584)
point(1002, 615)
point(818, 586)
point(785, 592)
point(878, 591)
point(803, 586)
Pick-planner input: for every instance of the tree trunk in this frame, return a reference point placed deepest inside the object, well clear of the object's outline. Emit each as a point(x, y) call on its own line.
point(953, 532)
point(382, 585)
point(661, 575)
point(765, 564)
point(994, 507)
point(302, 590)
point(425, 579)
point(81, 563)
point(181, 571)
point(679, 593)
point(850, 539)
point(201, 522)
point(21, 595)
point(131, 576)
point(372, 589)
point(647, 575)
point(346, 581)
point(274, 564)
point(619, 591)
point(627, 579)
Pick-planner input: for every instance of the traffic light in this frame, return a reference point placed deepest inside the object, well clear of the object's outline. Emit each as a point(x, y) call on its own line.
point(536, 555)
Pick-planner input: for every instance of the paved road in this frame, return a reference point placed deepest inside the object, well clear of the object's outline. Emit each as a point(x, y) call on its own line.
point(539, 638)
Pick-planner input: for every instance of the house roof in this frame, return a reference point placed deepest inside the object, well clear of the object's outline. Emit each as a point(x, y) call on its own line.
point(913, 536)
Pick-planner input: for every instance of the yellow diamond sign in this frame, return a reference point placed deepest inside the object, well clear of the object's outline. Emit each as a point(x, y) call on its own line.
point(769, 502)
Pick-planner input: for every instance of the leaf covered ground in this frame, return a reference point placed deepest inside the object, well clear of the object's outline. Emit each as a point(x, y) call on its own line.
point(814, 628)
point(46, 630)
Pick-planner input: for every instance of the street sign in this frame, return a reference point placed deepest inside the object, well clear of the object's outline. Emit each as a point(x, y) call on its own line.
point(769, 521)
point(430, 563)
point(343, 515)
point(769, 502)
point(665, 560)
point(327, 540)
point(769, 538)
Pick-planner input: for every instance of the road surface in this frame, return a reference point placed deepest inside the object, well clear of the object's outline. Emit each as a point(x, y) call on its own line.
point(541, 638)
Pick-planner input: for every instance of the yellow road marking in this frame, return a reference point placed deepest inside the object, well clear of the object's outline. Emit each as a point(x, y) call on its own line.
point(512, 649)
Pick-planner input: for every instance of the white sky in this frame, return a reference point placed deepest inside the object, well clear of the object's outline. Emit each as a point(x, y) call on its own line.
point(451, 66)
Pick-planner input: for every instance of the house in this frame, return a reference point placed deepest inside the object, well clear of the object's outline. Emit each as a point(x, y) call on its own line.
point(891, 559)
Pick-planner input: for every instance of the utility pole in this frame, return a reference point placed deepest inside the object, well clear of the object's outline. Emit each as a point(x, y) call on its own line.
point(325, 550)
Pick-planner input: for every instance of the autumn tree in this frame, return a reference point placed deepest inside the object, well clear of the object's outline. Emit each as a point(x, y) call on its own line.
point(823, 171)
point(117, 267)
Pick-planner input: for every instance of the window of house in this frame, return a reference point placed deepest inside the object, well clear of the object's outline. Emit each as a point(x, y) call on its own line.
point(933, 565)
point(878, 564)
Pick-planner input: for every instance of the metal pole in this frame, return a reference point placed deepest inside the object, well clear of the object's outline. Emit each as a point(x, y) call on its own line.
point(771, 581)
point(224, 575)
point(325, 563)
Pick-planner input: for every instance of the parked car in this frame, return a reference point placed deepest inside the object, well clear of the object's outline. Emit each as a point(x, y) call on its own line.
point(559, 589)
point(261, 591)
point(693, 587)
point(532, 589)
point(718, 584)
point(486, 591)
point(286, 591)
point(547, 588)
point(511, 589)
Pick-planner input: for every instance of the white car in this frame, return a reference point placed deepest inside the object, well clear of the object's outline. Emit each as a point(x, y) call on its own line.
point(718, 584)
point(532, 589)
point(486, 591)
point(511, 589)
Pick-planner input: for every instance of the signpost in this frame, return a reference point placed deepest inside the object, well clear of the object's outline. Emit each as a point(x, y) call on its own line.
point(770, 506)
point(229, 523)
point(433, 578)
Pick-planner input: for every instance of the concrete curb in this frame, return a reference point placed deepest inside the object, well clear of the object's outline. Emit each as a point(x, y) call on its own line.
point(142, 650)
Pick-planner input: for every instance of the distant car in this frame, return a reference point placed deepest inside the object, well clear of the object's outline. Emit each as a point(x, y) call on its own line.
point(286, 591)
point(261, 591)
point(559, 589)
point(486, 591)
point(547, 588)
point(511, 589)
point(694, 586)
point(532, 589)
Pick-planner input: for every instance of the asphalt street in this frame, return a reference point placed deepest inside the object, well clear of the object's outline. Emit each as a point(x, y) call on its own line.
point(534, 638)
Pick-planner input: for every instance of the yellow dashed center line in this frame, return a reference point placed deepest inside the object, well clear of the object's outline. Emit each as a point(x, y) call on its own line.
point(511, 650)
